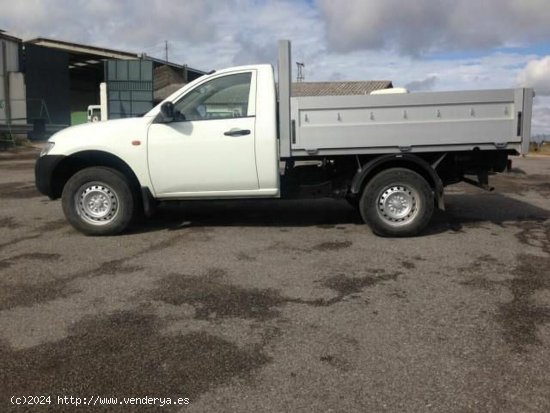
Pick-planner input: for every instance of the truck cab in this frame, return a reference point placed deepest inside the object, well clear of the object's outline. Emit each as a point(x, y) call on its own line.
point(218, 138)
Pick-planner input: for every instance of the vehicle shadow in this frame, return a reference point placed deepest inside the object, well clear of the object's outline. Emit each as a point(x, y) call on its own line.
point(251, 213)
point(476, 210)
point(463, 210)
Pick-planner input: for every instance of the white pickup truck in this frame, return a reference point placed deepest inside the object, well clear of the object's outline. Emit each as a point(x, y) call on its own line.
point(230, 135)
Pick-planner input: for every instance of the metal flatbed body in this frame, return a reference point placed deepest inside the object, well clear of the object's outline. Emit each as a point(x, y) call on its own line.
point(416, 122)
point(400, 122)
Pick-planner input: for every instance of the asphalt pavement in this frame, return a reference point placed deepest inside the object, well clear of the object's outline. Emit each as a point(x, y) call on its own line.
point(275, 306)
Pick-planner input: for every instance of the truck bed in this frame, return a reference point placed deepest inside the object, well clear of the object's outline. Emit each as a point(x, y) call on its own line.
point(416, 122)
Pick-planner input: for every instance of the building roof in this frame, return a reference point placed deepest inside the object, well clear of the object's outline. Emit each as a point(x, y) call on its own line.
point(82, 48)
point(89, 52)
point(4, 35)
point(338, 88)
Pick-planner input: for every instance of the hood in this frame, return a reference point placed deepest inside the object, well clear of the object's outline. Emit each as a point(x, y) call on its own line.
point(110, 136)
point(96, 129)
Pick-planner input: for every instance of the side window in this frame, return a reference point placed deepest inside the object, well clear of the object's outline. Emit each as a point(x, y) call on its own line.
point(221, 98)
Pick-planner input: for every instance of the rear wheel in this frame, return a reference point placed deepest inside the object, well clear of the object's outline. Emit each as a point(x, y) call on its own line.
point(397, 202)
point(98, 201)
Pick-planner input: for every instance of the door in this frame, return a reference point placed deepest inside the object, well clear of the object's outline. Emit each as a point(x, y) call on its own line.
point(209, 146)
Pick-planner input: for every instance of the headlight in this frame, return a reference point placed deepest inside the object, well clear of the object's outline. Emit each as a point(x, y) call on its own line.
point(47, 148)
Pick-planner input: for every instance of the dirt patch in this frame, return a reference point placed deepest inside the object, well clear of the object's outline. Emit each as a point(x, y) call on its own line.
point(479, 263)
point(28, 295)
point(543, 188)
point(18, 240)
point(242, 256)
point(215, 273)
point(401, 294)
point(53, 225)
point(520, 318)
point(345, 285)
point(113, 267)
point(8, 262)
point(9, 223)
point(18, 190)
point(121, 266)
point(126, 356)
point(39, 256)
point(332, 245)
point(408, 265)
point(213, 298)
point(479, 283)
point(177, 239)
point(335, 361)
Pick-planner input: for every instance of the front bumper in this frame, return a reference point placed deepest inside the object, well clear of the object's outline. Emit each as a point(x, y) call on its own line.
point(44, 175)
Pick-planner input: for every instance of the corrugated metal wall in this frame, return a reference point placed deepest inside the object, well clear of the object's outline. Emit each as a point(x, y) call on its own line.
point(48, 85)
point(129, 87)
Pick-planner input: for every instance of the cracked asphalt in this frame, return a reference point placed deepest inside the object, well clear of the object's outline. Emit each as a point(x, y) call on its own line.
point(278, 306)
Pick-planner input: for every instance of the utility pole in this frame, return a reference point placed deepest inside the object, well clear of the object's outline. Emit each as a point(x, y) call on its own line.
point(166, 50)
point(300, 75)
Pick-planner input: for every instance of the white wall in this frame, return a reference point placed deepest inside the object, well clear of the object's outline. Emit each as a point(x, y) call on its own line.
point(15, 79)
point(18, 97)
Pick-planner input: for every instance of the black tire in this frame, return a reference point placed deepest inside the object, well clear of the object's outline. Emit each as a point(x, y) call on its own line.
point(397, 202)
point(98, 201)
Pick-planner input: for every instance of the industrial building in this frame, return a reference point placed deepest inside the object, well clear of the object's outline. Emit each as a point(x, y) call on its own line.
point(48, 84)
point(75, 72)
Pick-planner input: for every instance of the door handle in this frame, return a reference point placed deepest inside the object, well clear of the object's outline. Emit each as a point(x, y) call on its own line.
point(237, 132)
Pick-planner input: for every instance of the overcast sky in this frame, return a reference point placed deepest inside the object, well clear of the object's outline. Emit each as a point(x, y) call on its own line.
point(420, 44)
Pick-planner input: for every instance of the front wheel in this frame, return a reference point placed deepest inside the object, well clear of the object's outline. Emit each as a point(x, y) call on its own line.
point(397, 202)
point(98, 201)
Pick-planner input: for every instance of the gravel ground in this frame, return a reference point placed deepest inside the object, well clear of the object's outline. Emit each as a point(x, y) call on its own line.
point(278, 306)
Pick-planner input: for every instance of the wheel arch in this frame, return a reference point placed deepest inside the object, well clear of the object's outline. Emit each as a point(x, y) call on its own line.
point(412, 162)
point(85, 159)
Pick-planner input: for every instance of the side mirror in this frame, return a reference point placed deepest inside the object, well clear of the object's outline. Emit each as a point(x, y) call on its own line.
point(167, 111)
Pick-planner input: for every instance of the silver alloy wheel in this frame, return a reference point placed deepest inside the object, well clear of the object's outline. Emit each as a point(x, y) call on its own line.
point(398, 204)
point(96, 203)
